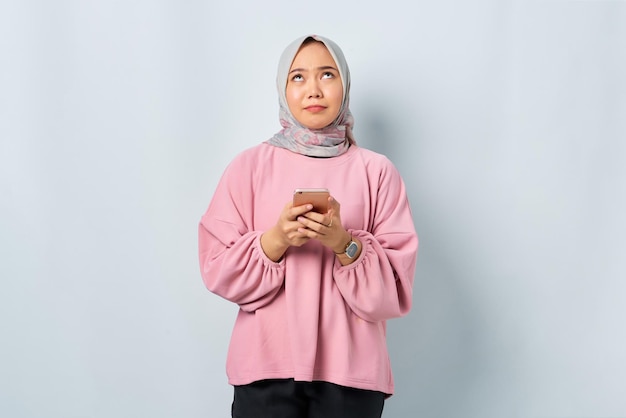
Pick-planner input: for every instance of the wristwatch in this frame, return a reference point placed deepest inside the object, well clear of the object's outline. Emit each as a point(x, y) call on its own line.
point(351, 248)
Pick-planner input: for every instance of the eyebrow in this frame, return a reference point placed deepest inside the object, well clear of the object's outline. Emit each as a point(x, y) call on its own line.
point(325, 67)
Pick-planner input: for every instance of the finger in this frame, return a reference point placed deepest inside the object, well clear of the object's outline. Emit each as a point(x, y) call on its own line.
point(312, 225)
point(296, 211)
point(330, 202)
point(295, 226)
point(297, 233)
point(316, 217)
point(305, 221)
point(308, 233)
point(330, 218)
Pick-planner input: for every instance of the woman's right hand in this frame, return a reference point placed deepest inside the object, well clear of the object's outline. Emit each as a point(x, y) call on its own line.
point(285, 233)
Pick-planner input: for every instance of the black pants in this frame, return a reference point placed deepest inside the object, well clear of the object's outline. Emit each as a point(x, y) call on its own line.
point(284, 398)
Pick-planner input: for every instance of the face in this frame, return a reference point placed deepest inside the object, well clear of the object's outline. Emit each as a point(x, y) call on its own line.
point(314, 89)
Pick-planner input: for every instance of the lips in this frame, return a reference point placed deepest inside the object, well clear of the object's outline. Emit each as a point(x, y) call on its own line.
point(315, 108)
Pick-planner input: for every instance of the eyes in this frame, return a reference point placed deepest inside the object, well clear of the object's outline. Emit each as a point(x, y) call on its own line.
point(326, 75)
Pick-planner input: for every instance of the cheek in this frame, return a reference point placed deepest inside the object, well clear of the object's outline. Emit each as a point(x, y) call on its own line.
point(337, 96)
point(292, 98)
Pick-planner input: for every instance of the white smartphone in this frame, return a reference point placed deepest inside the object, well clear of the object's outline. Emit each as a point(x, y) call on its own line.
point(317, 197)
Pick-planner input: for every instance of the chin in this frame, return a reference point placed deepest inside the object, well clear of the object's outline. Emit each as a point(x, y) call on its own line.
point(315, 126)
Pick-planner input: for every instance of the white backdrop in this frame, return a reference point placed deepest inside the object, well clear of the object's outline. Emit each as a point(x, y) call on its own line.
point(507, 120)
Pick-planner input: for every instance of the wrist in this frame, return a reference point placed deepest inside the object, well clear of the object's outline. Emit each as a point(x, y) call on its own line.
point(343, 244)
point(272, 245)
point(351, 251)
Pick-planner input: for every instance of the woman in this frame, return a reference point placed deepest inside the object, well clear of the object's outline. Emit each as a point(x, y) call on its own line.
point(314, 289)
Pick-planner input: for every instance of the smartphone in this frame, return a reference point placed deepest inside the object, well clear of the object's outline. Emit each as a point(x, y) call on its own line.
point(317, 197)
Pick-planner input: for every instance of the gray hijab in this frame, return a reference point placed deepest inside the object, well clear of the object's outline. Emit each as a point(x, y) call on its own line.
point(330, 141)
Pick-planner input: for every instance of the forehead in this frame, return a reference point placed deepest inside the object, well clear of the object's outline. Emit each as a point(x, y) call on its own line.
point(313, 54)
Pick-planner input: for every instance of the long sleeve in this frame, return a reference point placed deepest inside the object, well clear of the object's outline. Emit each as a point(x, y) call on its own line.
point(378, 286)
point(232, 262)
point(308, 317)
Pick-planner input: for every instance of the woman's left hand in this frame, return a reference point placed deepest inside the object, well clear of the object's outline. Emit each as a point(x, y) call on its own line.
point(326, 228)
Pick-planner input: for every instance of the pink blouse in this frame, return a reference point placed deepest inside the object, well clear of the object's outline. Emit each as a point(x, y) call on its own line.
point(308, 317)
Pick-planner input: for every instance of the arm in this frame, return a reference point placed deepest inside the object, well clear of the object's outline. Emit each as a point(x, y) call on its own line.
point(232, 262)
point(234, 266)
point(378, 285)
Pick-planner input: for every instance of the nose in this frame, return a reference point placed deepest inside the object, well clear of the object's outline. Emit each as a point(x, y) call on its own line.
point(314, 90)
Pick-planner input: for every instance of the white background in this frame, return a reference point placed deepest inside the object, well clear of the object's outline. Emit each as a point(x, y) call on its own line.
point(506, 119)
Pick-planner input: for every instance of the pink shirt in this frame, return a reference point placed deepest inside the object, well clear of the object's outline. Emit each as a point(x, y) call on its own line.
point(308, 317)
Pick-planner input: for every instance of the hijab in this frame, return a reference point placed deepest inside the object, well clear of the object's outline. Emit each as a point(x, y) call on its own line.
point(330, 141)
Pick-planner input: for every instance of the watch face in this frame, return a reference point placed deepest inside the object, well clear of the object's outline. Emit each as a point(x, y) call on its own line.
point(352, 249)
